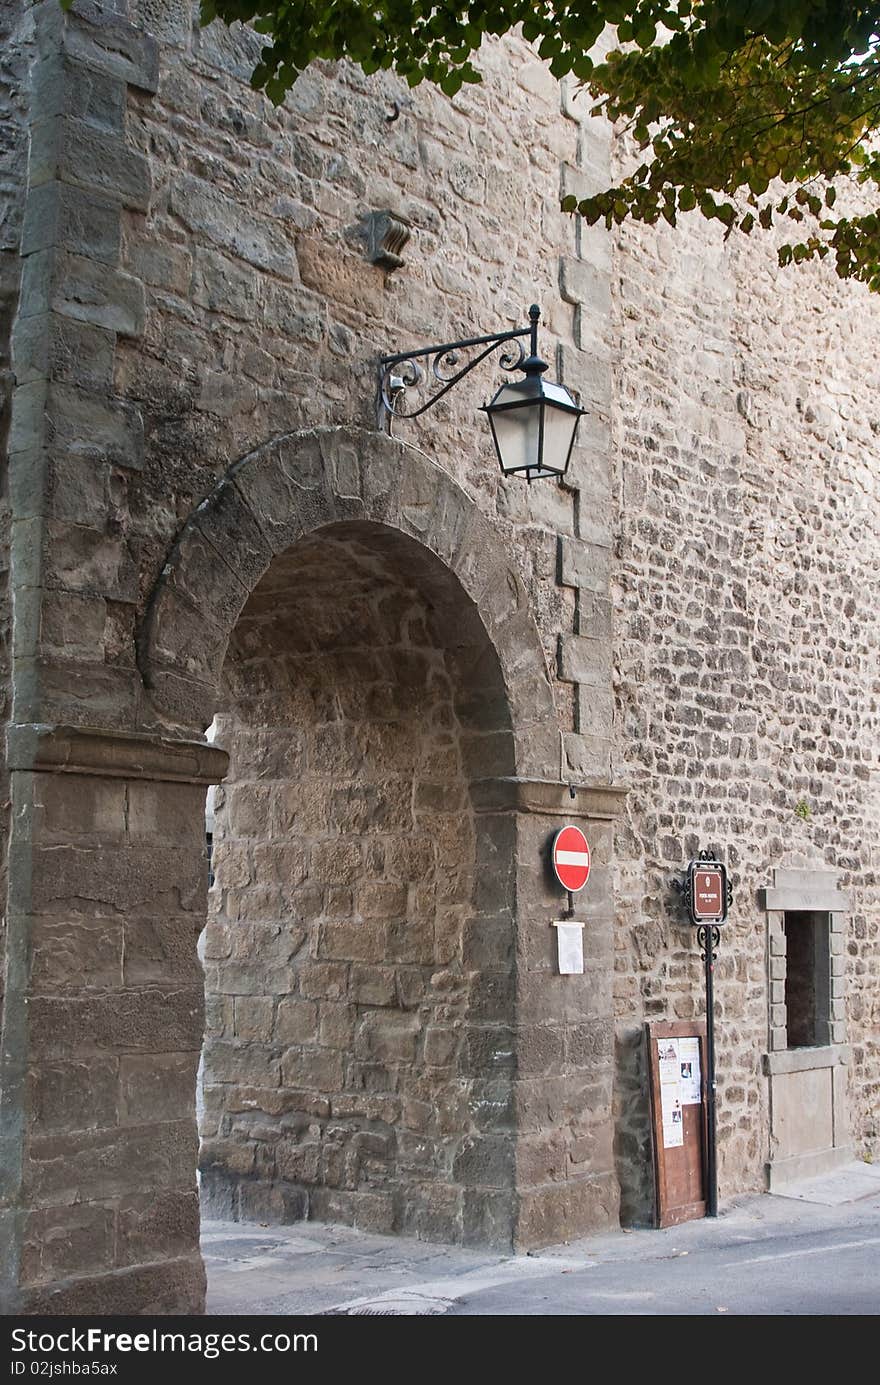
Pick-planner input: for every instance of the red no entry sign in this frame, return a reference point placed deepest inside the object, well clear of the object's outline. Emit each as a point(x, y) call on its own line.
point(571, 858)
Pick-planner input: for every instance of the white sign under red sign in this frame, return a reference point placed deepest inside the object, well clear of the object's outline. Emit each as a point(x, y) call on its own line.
point(571, 858)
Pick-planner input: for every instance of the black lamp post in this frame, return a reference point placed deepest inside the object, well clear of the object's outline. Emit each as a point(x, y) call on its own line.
point(534, 421)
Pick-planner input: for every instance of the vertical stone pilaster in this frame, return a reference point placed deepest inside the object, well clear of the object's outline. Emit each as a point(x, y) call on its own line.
point(584, 560)
point(563, 1039)
point(103, 1026)
point(73, 442)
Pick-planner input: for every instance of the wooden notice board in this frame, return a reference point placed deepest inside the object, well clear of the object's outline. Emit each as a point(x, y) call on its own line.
point(678, 1118)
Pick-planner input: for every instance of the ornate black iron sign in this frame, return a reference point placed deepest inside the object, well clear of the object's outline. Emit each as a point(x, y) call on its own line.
point(706, 890)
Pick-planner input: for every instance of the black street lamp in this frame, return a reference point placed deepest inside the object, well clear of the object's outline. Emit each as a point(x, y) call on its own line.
point(534, 421)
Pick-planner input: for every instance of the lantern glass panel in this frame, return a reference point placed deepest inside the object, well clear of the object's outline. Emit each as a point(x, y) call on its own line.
point(559, 430)
point(517, 435)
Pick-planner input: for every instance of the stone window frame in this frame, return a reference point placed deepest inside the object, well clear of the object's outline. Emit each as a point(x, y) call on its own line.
point(804, 891)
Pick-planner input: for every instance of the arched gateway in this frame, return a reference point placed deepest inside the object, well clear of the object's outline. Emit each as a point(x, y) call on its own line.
point(386, 1041)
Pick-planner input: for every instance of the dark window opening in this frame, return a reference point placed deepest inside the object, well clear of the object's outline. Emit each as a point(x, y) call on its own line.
point(807, 979)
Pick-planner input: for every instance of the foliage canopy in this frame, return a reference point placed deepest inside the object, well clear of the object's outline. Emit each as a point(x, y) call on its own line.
point(753, 111)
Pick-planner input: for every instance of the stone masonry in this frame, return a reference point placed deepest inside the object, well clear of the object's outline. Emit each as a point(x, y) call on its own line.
point(416, 671)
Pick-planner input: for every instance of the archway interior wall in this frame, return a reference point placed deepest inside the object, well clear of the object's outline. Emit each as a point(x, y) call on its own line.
point(359, 1048)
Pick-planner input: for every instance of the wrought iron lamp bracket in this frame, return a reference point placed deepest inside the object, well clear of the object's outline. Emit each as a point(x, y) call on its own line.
point(404, 370)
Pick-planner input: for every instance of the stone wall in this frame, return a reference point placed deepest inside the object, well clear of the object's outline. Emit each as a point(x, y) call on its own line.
point(16, 40)
point(746, 629)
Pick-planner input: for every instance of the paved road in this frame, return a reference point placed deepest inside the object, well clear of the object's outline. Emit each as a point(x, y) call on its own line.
point(815, 1252)
point(834, 1273)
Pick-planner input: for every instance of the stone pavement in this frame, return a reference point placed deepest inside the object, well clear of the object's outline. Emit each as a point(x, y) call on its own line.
point(314, 1268)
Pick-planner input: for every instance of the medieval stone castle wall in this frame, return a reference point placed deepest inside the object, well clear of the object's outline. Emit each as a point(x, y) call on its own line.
point(195, 298)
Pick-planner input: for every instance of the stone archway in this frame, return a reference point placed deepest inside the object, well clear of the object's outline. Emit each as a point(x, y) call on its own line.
point(103, 1019)
point(360, 955)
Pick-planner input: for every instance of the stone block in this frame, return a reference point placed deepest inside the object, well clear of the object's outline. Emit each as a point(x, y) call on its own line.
point(355, 941)
point(111, 1163)
point(583, 565)
point(255, 1018)
point(375, 1212)
point(75, 219)
point(94, 425)
point(338, 275)
point(485, 1162)
point(582, 283)
point(169, 21)
point(140, 880)
point(541, 1158)
point(583, 182)
point(381, 899)
point(73, 691)
point(76, 954)
point(84, 290)
point(270, 1204)
point(162, 266)
point(149, 1021)
point(582, 660)
point(540, 1048)
point(587, 757)
point(488, 1051)
point(802, 1112)
point(157, 1226)
point(50, 347)
point(488, 943)
point(595, 711)
point(492, 996)
point(63, 86)
point(488, 756)
point(317, 1070)
point(296, 1022)
point(337, 1026)
point(387, 1036)
point(298, 1163)
point(373, 985)
point(589, 1044)
point(108, 42)
point(441, 1045)
point(70, 1095)
point(232, 227)
point(433, 1212)
point(62, 1241)
point(72, 151)
point(488, 1218)
point(589, 373)
point(170, 1287)
point(255, 1064)
point(412, 940)
point(222, 286)
point(165, 812)
point(182, 636)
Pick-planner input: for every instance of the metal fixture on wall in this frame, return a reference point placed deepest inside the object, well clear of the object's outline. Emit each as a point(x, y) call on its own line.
point(533, 421)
